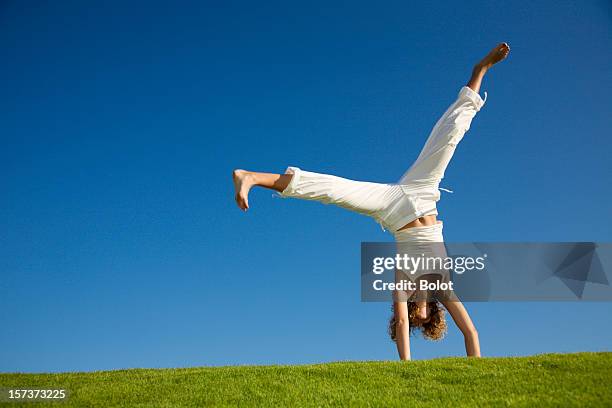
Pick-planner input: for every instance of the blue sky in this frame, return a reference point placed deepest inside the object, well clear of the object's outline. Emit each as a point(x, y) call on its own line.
point(121, 246)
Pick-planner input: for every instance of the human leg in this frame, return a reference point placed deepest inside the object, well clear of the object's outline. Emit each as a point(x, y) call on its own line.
point(435, 156)
point(359, 196)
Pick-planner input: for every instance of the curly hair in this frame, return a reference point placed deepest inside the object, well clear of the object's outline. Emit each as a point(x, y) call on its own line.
point(434, 329)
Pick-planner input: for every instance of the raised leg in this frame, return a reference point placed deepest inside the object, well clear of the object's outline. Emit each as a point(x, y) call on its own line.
point(431, 164)
point(493, 57)
point(359, 196)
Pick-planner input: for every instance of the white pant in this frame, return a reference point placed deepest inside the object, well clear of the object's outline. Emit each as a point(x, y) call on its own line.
point(415, 195)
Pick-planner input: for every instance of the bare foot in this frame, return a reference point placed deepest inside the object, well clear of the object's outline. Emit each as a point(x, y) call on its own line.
point(242, 184)
point(497, 54)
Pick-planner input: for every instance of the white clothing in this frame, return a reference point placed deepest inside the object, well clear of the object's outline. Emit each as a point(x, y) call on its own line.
point(424, 242)
point(415, 195)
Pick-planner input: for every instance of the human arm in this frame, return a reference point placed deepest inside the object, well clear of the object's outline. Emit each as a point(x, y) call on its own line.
point(402, 330)
point(464, 323)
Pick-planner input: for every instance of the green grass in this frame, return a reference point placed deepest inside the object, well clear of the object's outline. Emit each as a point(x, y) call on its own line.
point(583, 379)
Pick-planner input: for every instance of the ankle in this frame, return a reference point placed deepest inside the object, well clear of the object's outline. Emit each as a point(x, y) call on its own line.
point(253, 178)
point(481, 68)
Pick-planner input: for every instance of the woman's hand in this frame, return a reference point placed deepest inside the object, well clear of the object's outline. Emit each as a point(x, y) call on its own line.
point(464, 322)
point(402, 330)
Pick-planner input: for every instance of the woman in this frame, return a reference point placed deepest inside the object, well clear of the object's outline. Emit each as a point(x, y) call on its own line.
point(407, 209)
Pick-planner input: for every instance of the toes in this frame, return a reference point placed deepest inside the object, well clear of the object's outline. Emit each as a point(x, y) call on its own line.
point(244, 204)
point(504, 49)
point(241, 203)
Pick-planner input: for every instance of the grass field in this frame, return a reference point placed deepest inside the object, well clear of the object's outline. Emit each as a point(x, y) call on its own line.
point(583, 379)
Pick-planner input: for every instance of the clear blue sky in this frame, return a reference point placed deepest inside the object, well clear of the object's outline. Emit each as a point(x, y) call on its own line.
point(120, 123)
